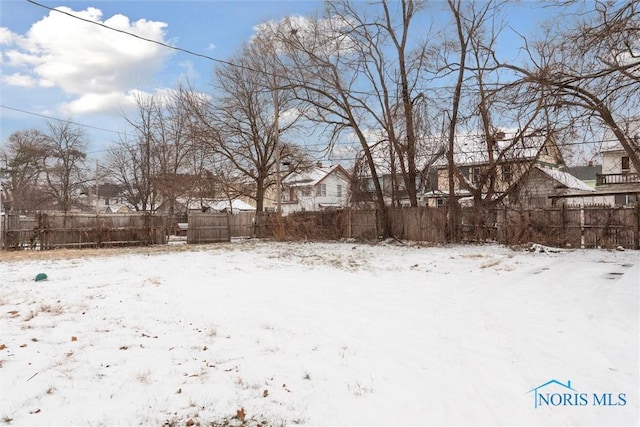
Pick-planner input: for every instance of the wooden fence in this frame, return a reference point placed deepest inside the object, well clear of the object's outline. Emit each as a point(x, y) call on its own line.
point(208, 228)
point(565, 226)
point(52, 230)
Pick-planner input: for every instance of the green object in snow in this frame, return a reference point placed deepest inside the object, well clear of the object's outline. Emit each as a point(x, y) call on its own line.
point(41, 276)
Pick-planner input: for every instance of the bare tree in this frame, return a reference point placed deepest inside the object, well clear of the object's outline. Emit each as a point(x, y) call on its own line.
point(591, 70)
point(466, 28)
point(154, 163)
point(243, 123)
point(63, 165)
point(21, 161)
point(171, 150)
point(358, 75)
point(124, 165)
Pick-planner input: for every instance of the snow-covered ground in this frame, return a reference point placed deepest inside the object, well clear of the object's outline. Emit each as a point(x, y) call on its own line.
point(320, 333)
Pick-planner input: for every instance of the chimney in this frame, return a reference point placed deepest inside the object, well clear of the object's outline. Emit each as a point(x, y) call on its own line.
point(319, 164)
point(590, 164)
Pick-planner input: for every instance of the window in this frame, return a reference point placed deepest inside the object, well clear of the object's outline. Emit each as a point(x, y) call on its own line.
point(475, 175)
point(506, 173)
point(625, 199)
point(339, 190)
point(625, 163)
point(321, 190)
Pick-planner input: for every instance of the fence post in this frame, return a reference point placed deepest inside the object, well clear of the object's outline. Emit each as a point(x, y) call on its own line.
point(504, 232)
point(582, 244)
point(637, 225)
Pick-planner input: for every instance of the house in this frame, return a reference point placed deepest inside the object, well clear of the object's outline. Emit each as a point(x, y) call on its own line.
point(390, 175)
point(104, 198)
point(184, 206)
point(543, 185)
point(532, 162)
point(315, 189)
point(619, 181)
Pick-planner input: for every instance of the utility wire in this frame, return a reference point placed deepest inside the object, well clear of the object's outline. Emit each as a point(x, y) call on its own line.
point(168, 46)
point(355, 145)
point(59, 120)
point(221, 61)
point(210, 58)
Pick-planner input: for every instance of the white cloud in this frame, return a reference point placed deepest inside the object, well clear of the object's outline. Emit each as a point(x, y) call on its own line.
point(18, 79)
point(326, 35)
point(95, 65)
point(6, 36)
point(96, 102)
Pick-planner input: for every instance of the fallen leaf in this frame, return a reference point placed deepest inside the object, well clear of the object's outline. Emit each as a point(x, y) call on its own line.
point(74, 338)
point(190, 422)
point(2, 346)
point(241, 414)
point(265, 393)
point(23, 345)
point(35, 411)
point(124, 347)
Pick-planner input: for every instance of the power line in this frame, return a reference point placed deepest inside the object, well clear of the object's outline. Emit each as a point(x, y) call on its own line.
point(60, 120)
point(168, 46)
point(355, 145)
point(221, 61)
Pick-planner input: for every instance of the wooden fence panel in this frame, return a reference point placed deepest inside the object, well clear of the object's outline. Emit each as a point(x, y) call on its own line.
point(477, 225)
point(18, 231)
point(208, 228)
point(433, 225)
point(50, 230)
point(423, 224)
point(363, 224)
point(241, 224)
point(610, 227)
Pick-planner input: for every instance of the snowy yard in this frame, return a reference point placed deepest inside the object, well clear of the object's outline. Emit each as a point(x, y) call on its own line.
point(320, 333)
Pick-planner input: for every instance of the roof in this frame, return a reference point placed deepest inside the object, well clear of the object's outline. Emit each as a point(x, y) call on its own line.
point(472, 150)
point(585, 173)
point(313, 176)
point(611, 143)
point(236, 205)
point(216, 205)
point(565, 178)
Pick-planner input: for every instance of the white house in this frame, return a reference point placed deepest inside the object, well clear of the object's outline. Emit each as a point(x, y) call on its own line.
point(619, 181)
point(316, 189)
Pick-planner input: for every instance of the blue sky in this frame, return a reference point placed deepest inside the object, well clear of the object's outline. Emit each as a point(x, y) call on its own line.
point(57, 66)
point(212, 28)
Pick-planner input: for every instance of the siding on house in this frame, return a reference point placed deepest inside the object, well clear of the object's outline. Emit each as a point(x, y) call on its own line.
point(318, 189)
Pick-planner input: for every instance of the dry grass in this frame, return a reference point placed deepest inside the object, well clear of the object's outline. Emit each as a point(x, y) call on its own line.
point(55, 254)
